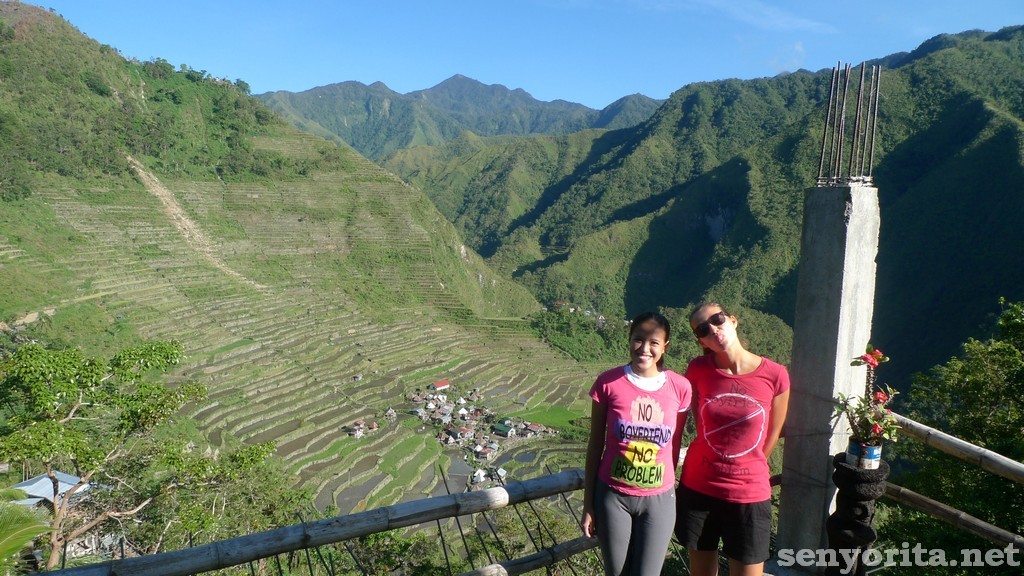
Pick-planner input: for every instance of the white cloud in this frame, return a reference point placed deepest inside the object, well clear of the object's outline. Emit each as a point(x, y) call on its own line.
point(762, 15)
point(789, 59)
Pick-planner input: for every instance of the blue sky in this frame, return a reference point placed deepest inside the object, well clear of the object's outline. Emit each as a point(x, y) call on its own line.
point(588, 51)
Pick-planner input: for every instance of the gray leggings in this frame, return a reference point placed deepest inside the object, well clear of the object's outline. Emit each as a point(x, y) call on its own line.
point(634, 531)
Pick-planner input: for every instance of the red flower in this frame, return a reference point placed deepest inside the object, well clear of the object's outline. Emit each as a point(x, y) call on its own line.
point(877, 354)
point(881, 397)
point(876, 429)
point(870, 360)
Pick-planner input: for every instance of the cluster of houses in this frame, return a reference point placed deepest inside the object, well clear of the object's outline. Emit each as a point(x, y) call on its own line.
point(463, 423)
point(359, 428)
point(599, 319)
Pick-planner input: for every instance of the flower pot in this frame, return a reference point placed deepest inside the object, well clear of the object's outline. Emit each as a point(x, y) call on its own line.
point(861, 455)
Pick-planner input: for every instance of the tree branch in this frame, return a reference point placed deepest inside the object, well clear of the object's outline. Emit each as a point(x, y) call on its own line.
point(103, 516)
point(74, 408)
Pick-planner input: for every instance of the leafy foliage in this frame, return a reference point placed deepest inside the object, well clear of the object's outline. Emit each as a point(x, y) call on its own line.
point(977, 397)
point(200, 497)
point(19, 525)
point(73, 412)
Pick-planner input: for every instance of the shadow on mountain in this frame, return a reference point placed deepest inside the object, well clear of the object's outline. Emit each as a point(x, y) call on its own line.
point(674, 265)
point(941, 248)
point(541, 264)
point(604, 144)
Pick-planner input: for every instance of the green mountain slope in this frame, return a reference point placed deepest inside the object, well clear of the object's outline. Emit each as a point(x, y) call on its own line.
point(705, 199)
point(310, 287)
point(377, 121)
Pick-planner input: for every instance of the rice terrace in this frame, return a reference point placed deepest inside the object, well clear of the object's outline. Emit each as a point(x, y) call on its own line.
point(287, 357)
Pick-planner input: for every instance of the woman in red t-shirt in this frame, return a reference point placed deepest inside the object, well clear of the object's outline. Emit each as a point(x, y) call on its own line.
point(740, 403)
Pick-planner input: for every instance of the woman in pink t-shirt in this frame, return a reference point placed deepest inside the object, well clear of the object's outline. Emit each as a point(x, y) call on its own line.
point(637, 416)
point(740, 404)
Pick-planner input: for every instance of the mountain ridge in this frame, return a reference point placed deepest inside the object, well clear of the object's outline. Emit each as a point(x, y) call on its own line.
point(708, 192)
point(378, 121)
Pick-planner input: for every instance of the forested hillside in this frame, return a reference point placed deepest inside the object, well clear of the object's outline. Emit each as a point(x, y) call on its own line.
point(310, 289)
point(377, 121)
point(705, 198)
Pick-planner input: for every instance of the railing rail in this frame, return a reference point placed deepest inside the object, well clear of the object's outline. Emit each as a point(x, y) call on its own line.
point(545, 557)
point(298, 537)
point(986, 459)
point(244, 549)
point(952, 516)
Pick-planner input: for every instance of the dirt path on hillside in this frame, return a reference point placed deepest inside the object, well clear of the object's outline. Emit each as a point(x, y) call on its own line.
point(189, 229)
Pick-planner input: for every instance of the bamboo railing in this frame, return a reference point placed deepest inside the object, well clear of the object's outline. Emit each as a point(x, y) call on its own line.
point(986, 459)
point(976, 455)
point(244, 549)
point(252, 547)
point(952, 516)
point(541, 559)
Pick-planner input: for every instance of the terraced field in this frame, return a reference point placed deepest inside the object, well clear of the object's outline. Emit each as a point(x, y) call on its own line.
point(307, 305)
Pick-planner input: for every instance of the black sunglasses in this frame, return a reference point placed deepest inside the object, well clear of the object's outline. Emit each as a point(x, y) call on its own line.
point(704, 328)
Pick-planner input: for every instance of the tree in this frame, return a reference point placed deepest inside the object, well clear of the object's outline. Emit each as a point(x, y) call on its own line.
point(977, 396)
point(203, 497)
point(90, 416)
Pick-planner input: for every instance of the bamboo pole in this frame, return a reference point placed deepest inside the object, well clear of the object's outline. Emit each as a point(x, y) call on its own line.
point(952, 516)
point(985, 459)
point(243, 549)
point(545, 557)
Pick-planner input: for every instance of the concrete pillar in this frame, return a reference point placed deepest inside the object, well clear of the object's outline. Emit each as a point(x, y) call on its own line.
point(835, 298)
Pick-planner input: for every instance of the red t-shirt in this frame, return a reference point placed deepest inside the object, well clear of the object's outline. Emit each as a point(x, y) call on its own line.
point(639, 429)
point(732, 412)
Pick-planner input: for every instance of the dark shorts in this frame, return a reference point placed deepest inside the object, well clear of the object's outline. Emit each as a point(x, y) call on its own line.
point(744, 529)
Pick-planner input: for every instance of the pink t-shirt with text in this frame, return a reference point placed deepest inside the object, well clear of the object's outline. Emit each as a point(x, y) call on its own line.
point(726, 460)
point(637, 458)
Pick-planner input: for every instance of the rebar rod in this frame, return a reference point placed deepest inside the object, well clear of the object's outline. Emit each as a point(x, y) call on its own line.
point(824, 136)
point(576, 517)
point(538, 546)
point(867, 123)
point(855, 144)
point(842, 125)
point(469, 553)
point(444, 547)
point(874, 123)
point(833, 143)
point(487, 552)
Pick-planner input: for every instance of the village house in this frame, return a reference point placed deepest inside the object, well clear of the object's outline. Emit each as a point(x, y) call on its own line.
point(504, 430)
point(485, 454)
point(446, 437)
point(40, 489)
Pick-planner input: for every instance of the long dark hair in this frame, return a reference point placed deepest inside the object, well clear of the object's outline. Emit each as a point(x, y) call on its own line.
point(658, 319)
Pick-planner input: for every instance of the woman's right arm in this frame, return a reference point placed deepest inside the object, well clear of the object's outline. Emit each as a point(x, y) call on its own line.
point(595, 450)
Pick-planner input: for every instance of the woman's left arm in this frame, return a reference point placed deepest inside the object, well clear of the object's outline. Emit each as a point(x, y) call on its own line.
point(780, 405)
point(677, 438)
